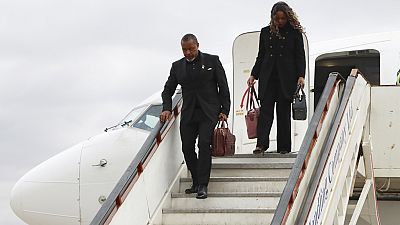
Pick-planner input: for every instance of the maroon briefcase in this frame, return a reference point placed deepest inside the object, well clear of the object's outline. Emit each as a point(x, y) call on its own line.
point(223, 140)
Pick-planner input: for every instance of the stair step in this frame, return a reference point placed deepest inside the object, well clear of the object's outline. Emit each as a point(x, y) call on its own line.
point(244, 169)
point(217, 216)
point(253, 165)
point(240, 184)
point(230, 194)
point(253, 172)
point(225, 210)
point(240, 179)
point(253, 160)
point(226, 200)
point(265, 155)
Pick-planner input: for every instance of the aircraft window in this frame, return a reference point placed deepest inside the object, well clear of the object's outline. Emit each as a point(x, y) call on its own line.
point(149, 119)
point(132, 116)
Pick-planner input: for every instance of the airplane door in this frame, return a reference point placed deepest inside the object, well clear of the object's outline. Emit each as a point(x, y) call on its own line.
point(245, 49)
point(321, 76)
point(299, 127)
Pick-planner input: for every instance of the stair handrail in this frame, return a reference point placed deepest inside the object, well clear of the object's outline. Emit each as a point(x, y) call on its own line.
point(291, 189)
point(307, 202)
point(136, 167)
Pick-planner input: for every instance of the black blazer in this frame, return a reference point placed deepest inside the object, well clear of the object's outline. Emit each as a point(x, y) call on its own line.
point(209, 89)
point(286, 53)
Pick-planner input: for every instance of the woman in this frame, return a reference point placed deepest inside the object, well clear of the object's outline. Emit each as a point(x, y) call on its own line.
point(280, 67)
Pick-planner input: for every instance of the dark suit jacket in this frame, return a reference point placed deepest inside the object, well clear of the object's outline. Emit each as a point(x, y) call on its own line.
point(209, 89)
point(286, 53)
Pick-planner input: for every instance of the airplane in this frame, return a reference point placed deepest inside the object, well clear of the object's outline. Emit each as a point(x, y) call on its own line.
point(72, 186)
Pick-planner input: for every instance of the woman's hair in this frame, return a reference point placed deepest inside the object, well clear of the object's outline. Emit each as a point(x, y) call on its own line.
point(290, 14)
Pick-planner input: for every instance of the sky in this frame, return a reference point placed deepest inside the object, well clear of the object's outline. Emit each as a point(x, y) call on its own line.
point(70, 68)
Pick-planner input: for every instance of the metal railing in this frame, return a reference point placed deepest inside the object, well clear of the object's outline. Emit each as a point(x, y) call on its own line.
point(318, 171)
point(292, 187)
point(135, 169)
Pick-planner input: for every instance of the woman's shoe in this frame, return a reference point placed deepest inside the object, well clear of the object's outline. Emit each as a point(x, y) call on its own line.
point(259, 150)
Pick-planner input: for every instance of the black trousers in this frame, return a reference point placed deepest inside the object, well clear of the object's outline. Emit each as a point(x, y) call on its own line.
point(202, 127)
point(273, 95)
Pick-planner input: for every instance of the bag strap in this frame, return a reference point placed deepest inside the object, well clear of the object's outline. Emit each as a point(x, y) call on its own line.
point(249, 99)
point(244, 95)
point(253, 98)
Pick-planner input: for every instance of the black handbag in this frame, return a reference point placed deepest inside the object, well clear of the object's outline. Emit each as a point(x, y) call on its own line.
point(299, 105)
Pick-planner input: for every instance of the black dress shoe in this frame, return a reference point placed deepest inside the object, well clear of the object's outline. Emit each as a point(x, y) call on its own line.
point(202, 192)
point(284, 152)
point(193, 189)
point(259, 150)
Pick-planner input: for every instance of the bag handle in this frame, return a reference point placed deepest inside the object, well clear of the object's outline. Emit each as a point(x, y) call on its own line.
point(244, 95)
point(222, 123)
point(253, 97)
point(297, 93)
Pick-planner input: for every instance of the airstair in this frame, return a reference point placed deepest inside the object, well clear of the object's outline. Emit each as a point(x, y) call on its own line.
point(243, 189)
point(312, 186)
point(325, 170)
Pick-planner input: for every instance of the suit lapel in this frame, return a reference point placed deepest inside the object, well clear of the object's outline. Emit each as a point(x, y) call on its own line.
point(201, 58)
point(201, 63)
point(183, 67)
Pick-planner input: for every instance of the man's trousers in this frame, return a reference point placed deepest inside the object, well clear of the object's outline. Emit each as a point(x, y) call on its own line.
point(202, 127)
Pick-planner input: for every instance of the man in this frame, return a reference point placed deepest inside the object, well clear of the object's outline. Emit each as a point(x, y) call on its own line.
point(206, 98)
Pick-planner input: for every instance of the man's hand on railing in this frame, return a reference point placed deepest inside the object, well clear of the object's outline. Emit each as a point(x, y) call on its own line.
point(165, 115)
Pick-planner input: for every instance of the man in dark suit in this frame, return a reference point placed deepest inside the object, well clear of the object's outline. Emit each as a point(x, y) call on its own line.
point(206, 98)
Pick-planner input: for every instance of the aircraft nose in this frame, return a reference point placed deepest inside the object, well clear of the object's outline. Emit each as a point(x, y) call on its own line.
point(49, 193)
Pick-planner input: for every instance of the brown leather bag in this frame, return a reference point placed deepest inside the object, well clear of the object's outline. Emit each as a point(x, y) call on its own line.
point(223, 140)
point(253, 111)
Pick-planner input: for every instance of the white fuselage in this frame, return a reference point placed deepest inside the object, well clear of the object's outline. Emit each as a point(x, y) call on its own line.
point(70, 187)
